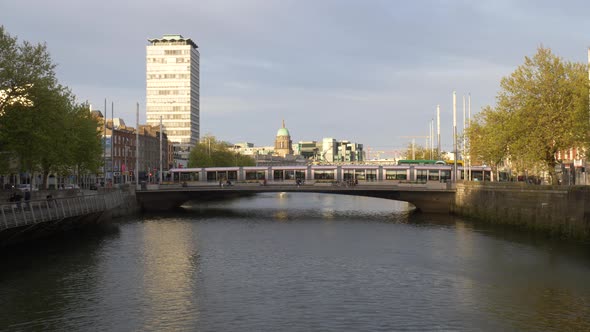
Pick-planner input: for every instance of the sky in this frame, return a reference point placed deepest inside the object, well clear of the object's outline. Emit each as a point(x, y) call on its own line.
point(370, 71)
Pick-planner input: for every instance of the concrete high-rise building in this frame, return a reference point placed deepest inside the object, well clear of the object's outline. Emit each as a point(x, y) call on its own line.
point(172, 91)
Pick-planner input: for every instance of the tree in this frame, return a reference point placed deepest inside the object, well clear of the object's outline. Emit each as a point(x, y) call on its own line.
point(22, 66)
point(488, 137)
point(85, 140)
point(542, 108)
point(210, 152)
point(41, 125)
point(417, 152)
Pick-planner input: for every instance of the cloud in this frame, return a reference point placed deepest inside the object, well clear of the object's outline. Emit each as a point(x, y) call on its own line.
point(369, 71)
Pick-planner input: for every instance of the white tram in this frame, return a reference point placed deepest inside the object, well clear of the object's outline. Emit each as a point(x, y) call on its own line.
point(328, 173)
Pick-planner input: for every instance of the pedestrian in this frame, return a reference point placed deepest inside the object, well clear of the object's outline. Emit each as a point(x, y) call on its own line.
point(17, 199)
point(27, 198)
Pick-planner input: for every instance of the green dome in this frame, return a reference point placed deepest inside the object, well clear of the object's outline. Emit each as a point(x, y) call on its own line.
point(283, 132)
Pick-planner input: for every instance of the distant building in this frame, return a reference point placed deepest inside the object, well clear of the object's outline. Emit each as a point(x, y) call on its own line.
point(307, 149)
point(329, 150)
point(172, 91)
point(283, 143)
point(248, 149)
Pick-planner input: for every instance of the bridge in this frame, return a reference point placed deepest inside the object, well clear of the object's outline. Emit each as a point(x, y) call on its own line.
point(428, 198)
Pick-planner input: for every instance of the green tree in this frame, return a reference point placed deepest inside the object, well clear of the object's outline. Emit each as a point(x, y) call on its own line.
point(417, 152)
point(41, 125)
point(488, 137)
point(22, 66)
point(210, 152)
point(542, 108)
point(85, 140)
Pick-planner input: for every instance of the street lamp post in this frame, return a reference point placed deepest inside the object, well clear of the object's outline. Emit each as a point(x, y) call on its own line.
point(454, 176)
point(125, 160)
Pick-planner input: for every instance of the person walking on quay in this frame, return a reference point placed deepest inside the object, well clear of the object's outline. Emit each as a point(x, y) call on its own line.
point(27, 198)
point(17, 199)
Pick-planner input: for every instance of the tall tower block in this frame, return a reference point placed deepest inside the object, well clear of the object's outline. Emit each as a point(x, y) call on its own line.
point(172, 91)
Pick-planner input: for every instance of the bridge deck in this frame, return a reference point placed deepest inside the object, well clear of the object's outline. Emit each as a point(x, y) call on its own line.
point(435, 198)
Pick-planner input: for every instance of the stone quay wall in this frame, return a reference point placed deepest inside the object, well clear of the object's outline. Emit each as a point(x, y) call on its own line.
point(558, 210)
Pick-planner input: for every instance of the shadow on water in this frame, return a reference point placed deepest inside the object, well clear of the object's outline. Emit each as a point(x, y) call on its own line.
point(575, 249)
point(32, 272)
point(63, 242)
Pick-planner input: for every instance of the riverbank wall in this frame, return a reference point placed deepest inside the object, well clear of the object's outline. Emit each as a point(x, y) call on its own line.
point(30, 232)
point(562, 211)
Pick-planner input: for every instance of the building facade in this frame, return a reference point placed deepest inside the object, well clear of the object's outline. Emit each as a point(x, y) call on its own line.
point(149, 152)
point(119, 151)
point(330, 150)
point(172, 91)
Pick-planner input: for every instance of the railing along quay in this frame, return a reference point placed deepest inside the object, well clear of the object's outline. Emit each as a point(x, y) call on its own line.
point(37, 211)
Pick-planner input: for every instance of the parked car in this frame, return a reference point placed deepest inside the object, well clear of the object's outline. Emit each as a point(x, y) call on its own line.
point(71, 186)
point(23, 187)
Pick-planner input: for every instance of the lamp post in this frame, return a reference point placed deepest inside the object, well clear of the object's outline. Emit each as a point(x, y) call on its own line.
point(454, 176)
point(137, 147)
point(126, 148)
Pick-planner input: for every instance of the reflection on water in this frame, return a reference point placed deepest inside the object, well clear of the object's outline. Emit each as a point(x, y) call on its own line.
point(297, 262)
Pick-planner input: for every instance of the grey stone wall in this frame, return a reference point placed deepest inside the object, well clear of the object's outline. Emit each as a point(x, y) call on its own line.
point(559, 210)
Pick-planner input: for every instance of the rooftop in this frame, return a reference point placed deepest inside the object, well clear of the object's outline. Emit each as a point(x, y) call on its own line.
point(172, 38)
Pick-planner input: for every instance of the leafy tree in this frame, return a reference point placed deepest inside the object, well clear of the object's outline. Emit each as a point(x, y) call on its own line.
point(541, 109)
point(85, 140)
point(41, 125)
point(418, 152)
point(210, 152)
point(22, 66)
point(488, 137)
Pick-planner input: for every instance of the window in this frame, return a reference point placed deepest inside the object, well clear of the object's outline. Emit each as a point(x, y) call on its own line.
point(421, 175)
point(433, 175)
point(396, 174)
point(323, 175)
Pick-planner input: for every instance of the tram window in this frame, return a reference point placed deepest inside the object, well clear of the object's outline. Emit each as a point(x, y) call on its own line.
point(433, 175)
point(323, 175)
point(211, 176)
point(421, 175)
point(289, 175)
point(360, 174)
point(476, 176)
point(348, 175)
point(251, 175)
point(396, 174)
point(300, 175)
point(371, 175)
point(278, 175)
point(445, 175)
point(232, 175)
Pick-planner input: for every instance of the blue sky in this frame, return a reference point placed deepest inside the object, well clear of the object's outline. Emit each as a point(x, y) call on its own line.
point(367, 71)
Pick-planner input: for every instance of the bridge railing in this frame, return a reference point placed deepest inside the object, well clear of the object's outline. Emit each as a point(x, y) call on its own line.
point(17, 214)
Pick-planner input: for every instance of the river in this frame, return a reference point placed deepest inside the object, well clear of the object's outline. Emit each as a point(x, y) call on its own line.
point(296, 262)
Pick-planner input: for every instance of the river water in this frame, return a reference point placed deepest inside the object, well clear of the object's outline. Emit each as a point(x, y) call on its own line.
point(296, 262)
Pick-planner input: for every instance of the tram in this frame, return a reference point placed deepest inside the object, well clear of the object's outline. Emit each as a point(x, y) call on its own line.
point(420, 173)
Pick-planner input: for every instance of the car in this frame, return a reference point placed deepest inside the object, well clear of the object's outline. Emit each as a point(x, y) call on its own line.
point(25, 187)
point(71, 186)
point(93, 186)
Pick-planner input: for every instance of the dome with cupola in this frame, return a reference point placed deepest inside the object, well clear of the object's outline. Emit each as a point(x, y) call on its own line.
point(283, 143)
